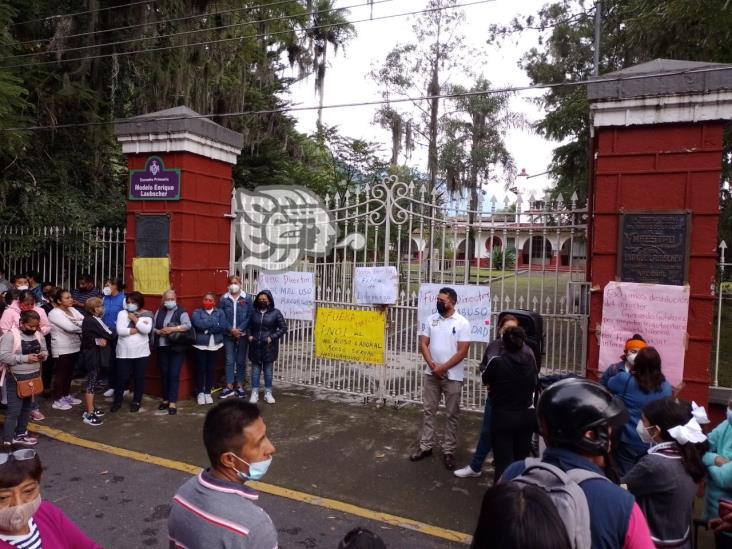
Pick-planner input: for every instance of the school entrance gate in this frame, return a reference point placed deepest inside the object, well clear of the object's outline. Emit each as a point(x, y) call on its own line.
point(530, 254)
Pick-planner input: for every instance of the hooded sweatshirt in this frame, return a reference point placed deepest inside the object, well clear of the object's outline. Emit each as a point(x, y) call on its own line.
point(11, 318)
point(263, 325)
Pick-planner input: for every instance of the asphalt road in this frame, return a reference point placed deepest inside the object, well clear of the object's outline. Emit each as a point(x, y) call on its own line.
point(122, 504)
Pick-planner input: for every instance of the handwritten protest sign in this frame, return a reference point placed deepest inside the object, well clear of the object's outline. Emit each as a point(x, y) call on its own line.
point(293, 293)
point(376, 285)
point(355, 336)
point(151, 275)
point(657, 312)
point(474, 303)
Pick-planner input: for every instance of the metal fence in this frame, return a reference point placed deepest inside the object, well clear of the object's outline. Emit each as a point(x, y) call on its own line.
point(62, 254)
point(722, 349)
point(530, 254)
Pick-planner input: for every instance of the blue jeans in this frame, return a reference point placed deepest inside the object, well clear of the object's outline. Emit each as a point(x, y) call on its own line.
point(205, 366)
point(18, 412)
point(485, 442)
point(236, 360)
point(257, 370)
point(170, 362)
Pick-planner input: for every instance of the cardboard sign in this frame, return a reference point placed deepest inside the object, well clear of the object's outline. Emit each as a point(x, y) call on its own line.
point(354, 336)
point(293, 293)
point(151, 275)
point(376, 285)
point(657, 312)
point(474, 303)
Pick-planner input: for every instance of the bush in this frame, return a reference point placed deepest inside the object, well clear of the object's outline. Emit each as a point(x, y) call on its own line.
point(498, 256)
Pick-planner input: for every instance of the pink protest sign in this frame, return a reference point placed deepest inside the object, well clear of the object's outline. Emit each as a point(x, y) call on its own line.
point(658, 312)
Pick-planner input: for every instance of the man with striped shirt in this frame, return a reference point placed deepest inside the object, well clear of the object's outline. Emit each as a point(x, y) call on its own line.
point(216, 508)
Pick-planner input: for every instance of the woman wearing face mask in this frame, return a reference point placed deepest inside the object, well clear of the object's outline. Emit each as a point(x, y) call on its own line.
point(210, 324)
point(637, 388)
point(665, 480)
point(113, 301)
point(266, 327)
point(632, 347)
point(22, 349)
point(134, 325)
point(95, 350)
point(65, 345)
point(25, 300)
point(26, 520)
point(493, 349)
point(718, 461)
point(237, 309)
point(171, 323)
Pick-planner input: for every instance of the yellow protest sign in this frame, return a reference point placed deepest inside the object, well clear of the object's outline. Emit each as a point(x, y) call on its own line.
point(151, 275)
point(355, 336)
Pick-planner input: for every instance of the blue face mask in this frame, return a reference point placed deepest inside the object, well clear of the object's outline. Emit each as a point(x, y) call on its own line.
point(170, 304)
point(131, 307)
point(256, 470)
point(729, 416)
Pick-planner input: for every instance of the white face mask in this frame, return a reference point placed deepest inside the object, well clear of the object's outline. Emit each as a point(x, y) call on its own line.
point(107, 290)
point(22, 287)
point(630, 357)
point(14, 518)
point(234, 288)
point(643, 433)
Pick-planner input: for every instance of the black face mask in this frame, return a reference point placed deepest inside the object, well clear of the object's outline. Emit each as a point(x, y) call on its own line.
point(262, 305)
point(441, 308)
point(28, 332)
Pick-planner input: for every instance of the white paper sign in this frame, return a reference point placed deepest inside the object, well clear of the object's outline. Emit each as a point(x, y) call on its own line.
point(293, 293)
point(474, 303)
point(658, 312)
point(376, 285)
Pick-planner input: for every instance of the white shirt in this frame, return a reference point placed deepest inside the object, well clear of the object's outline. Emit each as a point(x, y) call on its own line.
point(135, 345)
point(445, 334)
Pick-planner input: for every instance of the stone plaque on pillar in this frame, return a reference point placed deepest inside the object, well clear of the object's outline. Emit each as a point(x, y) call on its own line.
point(654, 247)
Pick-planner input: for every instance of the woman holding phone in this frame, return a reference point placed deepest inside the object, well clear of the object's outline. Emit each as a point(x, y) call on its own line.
point(23, 349)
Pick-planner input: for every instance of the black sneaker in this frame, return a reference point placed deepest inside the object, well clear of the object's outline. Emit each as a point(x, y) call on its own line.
point(135, 407)
point(98, 412)
point(91, 419)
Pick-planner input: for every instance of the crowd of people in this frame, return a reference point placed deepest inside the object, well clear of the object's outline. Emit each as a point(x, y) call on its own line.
point(49, 333)
point(618, 464)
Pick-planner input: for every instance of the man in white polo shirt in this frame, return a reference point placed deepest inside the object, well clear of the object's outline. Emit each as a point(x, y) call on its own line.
point(444, 344)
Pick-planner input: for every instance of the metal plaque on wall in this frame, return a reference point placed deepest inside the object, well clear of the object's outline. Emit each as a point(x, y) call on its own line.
point(654, 247)
point(152, 235)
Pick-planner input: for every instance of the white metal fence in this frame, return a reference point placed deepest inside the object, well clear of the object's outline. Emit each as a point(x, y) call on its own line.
point(62, 254)
point(531, 254)
point(722, 351)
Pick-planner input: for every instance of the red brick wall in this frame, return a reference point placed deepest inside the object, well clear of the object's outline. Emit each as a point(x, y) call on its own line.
point(657, 168)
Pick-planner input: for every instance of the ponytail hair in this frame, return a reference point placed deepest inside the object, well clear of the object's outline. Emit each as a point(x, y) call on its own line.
point(667, 413)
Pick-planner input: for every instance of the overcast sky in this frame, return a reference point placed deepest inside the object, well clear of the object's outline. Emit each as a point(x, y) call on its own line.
point(347, 80)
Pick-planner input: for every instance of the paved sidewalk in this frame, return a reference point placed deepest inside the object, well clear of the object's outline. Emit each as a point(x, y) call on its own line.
point(327, 446)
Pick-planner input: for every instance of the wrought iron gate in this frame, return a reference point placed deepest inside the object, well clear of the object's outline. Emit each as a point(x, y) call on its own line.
point(530, 253)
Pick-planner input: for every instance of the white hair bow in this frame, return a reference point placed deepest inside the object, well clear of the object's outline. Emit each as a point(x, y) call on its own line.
point(699, 413)
point(691, 432)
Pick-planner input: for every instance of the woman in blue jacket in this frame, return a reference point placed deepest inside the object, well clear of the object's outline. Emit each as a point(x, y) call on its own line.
point(637, 388)
point(210, 325)
point(266, 328)
point(718, 461)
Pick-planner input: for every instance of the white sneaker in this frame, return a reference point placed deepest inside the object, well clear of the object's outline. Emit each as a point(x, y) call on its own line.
point(71, 400)
point(207, 398)
point(466, 472)
point(268, 398)
point(60, 404)
point(254, 398)
point(109, 393)
point(201, 399)
point(127, 393)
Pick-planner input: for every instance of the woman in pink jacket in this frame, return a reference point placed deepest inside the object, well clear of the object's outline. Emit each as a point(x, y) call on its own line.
point(23, 301)
point(26, 520)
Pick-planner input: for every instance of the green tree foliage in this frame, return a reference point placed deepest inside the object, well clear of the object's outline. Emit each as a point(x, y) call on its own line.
point(77, 74)
point(632, 32)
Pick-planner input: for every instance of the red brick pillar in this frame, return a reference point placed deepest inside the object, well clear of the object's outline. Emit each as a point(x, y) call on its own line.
point(198, 240)
point(657, 147)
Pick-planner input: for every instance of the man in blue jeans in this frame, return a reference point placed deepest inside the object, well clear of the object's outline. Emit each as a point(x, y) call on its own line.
point(237, 309)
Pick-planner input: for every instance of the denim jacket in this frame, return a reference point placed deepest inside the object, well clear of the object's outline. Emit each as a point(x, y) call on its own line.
point(243, 311)
point(207, 324)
